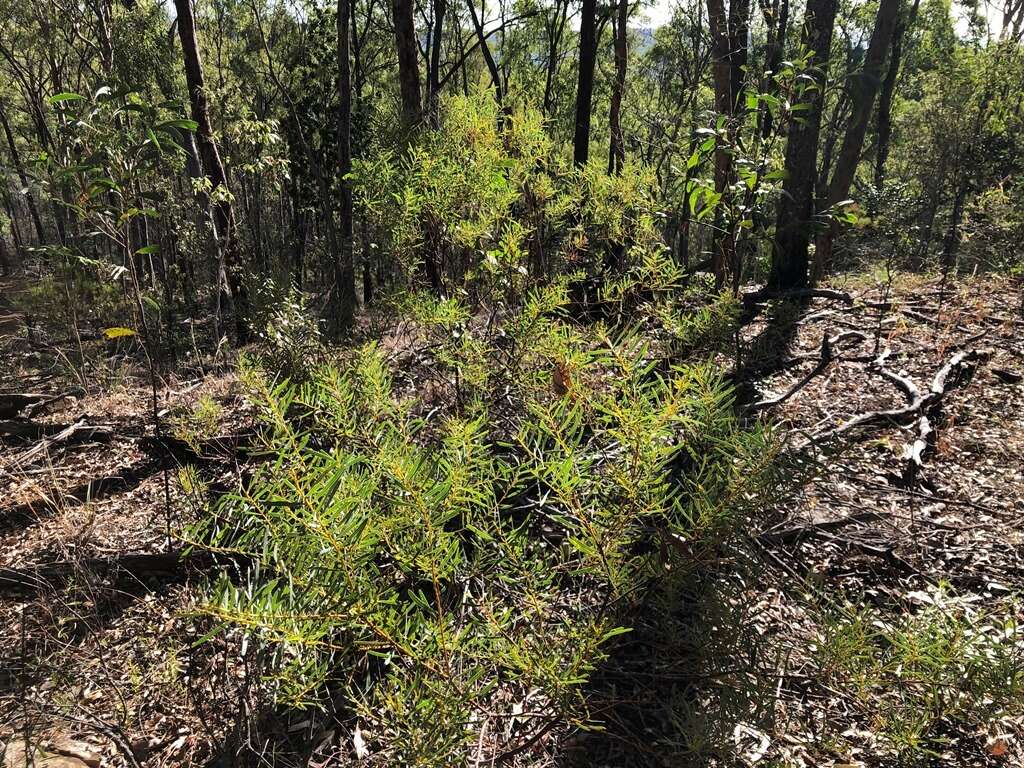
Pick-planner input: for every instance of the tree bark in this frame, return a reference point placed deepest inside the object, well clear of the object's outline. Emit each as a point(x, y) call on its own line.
point(585, 82)
point(796, 205)
point(408, 66)
point(434, 65)
point(727, 76)
point(344, 267)
point(776, 19)
point(555, 27)
point(22, 176)
point(864, 89)
point(885, 98)
point(213, 168)
point(617, 147)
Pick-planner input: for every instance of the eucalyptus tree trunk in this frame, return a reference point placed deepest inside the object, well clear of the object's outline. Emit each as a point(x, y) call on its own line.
point(885, 97)
point(344, 296)
point(776, 17)
point(864, 89)
point(796, 204)
point(221, 209)
point(585, 82)
point(554, 24)
point(19, 168)
point(440, 8)
point(408, 66)
point(729, 56)
point(617, 147)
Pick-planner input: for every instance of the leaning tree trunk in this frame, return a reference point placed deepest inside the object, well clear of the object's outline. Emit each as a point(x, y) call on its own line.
point(213, 168)
point(485, 50)
point(585, 82)
point(408, 66)
point(796, 204)
point(864, 90)
point(885, 97)
point(617, 147)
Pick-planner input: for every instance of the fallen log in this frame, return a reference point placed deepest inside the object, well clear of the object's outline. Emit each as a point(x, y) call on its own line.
point(802, 293)
point(13, 403)
point(23, 429)
point(115, 570)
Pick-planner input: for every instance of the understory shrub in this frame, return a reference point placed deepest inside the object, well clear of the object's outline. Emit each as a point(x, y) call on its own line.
point(455, 567)
point(445, 529)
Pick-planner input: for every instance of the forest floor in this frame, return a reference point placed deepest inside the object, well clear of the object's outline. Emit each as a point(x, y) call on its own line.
point(99, 655)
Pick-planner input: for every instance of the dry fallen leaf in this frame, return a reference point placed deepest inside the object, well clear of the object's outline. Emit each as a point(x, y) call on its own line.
point(997, 746)
point(359, 744)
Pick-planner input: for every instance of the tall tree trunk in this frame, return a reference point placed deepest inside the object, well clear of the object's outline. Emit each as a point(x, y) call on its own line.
point(864, 89)
point(408, 66)
point(796, 204)
point(776, 19)
point(739, 28)
point(885, 97)
point(434, 65)
point(725, 78)
point(213, 168)
point(585, 82)
point(555, 26)
point(22, 176)
point(344, 267)
point(617, 147)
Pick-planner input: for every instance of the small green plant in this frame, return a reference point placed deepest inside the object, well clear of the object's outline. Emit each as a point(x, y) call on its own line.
point(200, 423)
point(951, 667)
point(291, 340)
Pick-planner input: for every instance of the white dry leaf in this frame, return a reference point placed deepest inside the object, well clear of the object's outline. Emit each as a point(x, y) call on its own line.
point(751, 743)
point(359, 744)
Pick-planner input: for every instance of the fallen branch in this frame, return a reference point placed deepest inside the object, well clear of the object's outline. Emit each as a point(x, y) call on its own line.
point(36, 408)
point(79, 432)
point(116, 569)
point(23, 429)
point(807, 530)
point(925, 407)
point(825, 357)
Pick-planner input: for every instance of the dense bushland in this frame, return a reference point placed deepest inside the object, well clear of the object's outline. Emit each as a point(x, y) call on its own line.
point(500, 285)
